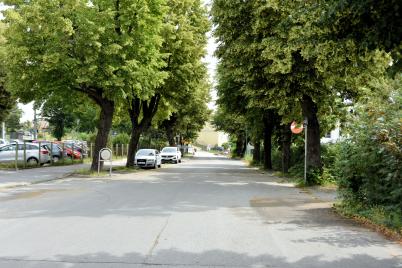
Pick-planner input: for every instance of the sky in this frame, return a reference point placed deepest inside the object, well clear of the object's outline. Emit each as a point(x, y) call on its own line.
point(210, 60)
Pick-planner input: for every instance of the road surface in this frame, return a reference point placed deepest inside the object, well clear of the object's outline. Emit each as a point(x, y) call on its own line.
point(205, 212)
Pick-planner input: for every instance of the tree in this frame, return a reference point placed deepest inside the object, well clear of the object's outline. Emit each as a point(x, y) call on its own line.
point(13, 120)
point(101, 49)
point(235, 125)
point(286, 62)
point(241, 71)
point(190, 113)
point(184, 41)
point(7, 101)
point(57, 112)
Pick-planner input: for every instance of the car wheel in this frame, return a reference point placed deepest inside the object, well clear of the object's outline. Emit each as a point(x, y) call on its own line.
point(179, 160)
point(32, 161)
point(56, 159)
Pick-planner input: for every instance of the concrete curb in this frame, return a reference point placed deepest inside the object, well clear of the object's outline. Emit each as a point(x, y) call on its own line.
point(21, 184)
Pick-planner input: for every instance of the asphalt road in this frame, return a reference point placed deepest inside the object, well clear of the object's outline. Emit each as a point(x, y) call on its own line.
point(206, 212)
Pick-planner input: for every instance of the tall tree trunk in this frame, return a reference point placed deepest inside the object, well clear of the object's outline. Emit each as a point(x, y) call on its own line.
point(268, 129)
point(171, 136)
point(239, 146)
point(148, 110)
point(257, 152)
point(169, 126)
point(104, 126)
point(313, 133)
point(286, 144)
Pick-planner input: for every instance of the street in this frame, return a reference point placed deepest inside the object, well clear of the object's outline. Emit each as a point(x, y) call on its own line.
point(206, 212)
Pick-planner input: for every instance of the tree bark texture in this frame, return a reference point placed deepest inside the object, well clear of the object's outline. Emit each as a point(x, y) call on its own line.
point(257, 152)
point(268, 129)
point(104, 127)
point(239, 152)
point(169, 126)
point(313, 133)
point(286, 144)
point(148, 110)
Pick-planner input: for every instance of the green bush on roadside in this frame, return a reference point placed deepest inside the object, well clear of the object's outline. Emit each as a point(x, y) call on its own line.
point(121, 138)
point(368, 164)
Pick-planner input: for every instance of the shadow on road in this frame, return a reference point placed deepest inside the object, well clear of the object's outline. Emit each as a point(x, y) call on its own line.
point(211, 258)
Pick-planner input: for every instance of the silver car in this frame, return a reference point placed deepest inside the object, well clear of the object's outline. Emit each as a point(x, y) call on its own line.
point(148, 158)
point(32, 154)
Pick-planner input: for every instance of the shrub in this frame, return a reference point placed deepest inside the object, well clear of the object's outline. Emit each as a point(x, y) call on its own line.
point(122, 138)
point(369, 162)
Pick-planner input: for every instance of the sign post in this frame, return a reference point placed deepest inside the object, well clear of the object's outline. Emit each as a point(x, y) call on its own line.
point(297, 130)
point(305, 124)
point(105, 155)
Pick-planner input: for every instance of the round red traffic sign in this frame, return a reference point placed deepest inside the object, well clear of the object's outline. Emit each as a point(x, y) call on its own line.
point(295, 128)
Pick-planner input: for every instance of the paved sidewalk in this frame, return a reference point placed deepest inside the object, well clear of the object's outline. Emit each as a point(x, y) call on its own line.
point(12, 178)
point(22, 177)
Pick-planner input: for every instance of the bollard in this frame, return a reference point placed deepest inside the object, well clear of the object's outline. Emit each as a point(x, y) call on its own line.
point(72, 153)
point(16, 156)
point(39, 155)
point(25, 154)
point(51, 153)
point(64, 152)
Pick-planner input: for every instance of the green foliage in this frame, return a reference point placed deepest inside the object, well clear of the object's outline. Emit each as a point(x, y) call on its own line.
point(58, 115)
point(7, 101)
point(186, 89)
point(373, 214)
point(13, 119)
point(76, 46)
point(121, 138)
point(369, 164)
point(89, 137)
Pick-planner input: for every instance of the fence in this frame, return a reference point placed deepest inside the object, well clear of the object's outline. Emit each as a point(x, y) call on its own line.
point(36, 154)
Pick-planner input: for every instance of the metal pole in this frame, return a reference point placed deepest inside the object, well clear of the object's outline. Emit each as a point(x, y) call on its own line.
point(51, 153)
point(39, 154)
point(305, 150)
point(64, 152)
point(35, 125)
point(99, 160)
point(25, 154)
point(16, 156)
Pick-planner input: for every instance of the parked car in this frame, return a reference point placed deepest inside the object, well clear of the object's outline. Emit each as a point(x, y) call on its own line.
point(33, 154)
point(3, 142)
point(148, 158)
point(171, 154)
point(68, 151)
point(79, 150)
point(57, 151)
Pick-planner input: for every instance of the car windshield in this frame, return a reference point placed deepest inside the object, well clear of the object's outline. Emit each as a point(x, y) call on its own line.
point(169, 150)
point(145, 152)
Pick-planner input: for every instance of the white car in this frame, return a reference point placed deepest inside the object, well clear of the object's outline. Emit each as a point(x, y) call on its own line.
point(32, 153)
point(148, 158)
point(171, 154)
point(3, 142)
